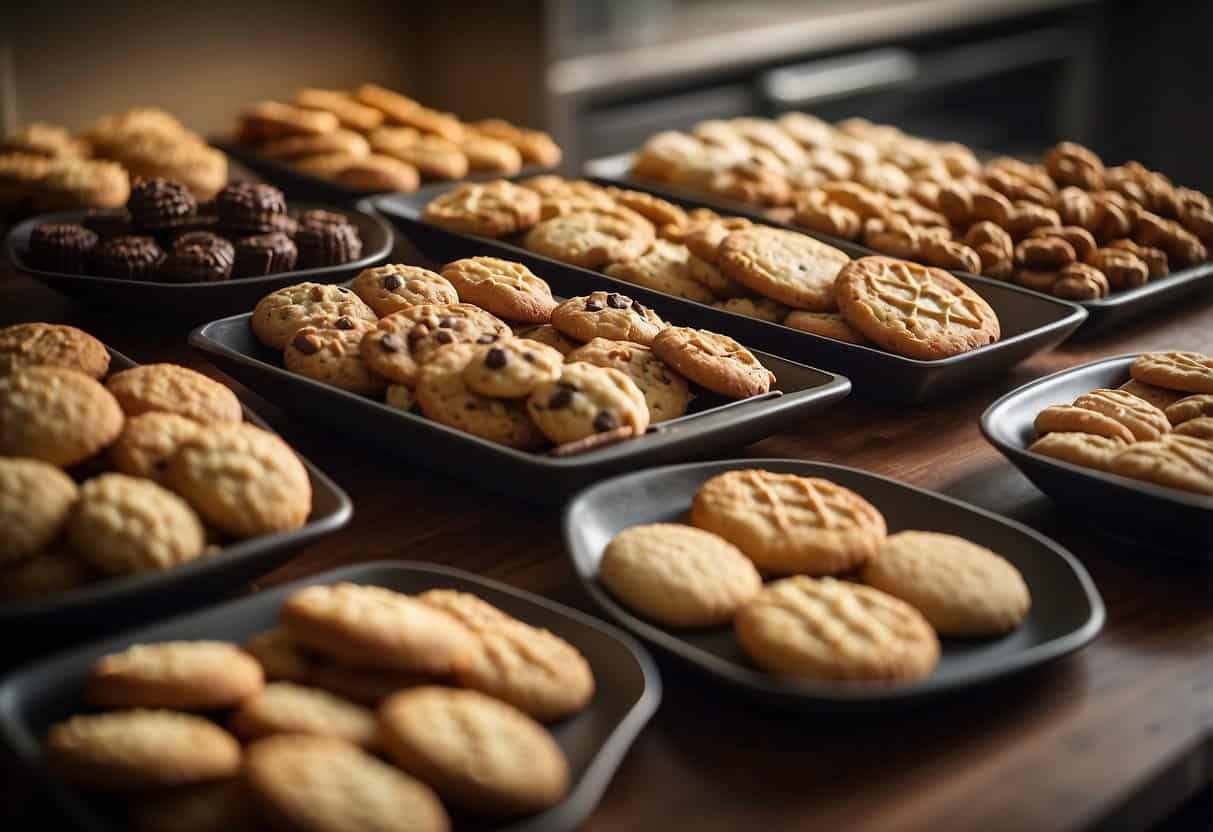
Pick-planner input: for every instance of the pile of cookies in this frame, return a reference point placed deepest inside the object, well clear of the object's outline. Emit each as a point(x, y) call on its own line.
point(1157, 427)
point(848, 602)
point(152, 469)
point(163, 235)
point(374, 139)
point(366, 709)
point(43, 167)
point(485, 347)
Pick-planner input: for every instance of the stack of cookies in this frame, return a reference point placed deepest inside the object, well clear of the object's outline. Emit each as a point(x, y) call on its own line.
point(152, 469)
point(1157, 427)
point(163, 235)
point(486, 348)
point(849, 602)
point(366, 709)
point(374, 139)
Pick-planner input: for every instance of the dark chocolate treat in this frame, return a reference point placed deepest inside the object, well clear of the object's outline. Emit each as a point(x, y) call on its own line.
point(322, 244)
point(198, 257)
point(129, 257)
point(108, 222)
point(316, 216)
point(264, 254)
point(247, 208)
point(61, 247)
point(159, 205)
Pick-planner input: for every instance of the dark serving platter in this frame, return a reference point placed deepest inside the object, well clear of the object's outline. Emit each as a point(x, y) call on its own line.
point(1102, 315)
point(194, 302)
point(1179, 522)
point(1067, 612)
point(712, 424)
point(628, 687)
point(113, 602)
point(1031, 322)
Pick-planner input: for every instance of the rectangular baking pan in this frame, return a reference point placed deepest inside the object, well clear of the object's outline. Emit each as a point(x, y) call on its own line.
point(712, 425)
point(1031, 323)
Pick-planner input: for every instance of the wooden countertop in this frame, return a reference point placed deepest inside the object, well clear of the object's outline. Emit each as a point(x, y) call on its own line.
point(1115, 735)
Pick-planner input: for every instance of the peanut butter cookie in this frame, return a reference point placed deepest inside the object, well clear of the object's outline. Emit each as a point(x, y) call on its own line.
point(1160, 397)
point(1174, 461)
point(1144, 420)
point(1065, 418)
point(1190, 407)
point(1090, 450)
point(1201, 428)
point(713, 361)
point(1190, 372)
point(287, 708)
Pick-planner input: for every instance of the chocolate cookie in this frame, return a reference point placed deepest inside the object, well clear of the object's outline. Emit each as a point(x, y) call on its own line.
point(198, 257)
point(157, 204)
point(129, 258)
point(264, 254)
point(108, 222)
point(251, 208)
point(61, 247)
point(323, 243)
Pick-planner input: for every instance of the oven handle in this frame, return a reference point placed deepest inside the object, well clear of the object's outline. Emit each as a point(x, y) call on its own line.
point(818, 81)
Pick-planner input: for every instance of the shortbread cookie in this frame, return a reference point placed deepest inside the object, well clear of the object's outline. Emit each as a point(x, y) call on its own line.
point(666, 393)
point(828, 324)
point(1144, 420)
point(375, 628)
point(1175, 461)
point(1190, 407)
point(549, 335)
point(507, 289)
point(333, 354)
point(444, 396)
point(24, 345)
point(148, 442)
point(665, 267)
point(607, 315)
point(713, 361)
point(324, 784)
point(788, 524)
point(788, 266)
point(1090, 450)
point(830, 630)
point(203, 807)
point(964, 590)
point(36, 499)
point(140, 749)
point(587, 399)
point(531, 668)
point(679, 576)
point(1190, 372)
point(181, 675)
point(46, 573)
point(287, 708)
point(512, 368)
point(171, 388)
point(1160, 397)
point(390, 288)
point(403, 341)
point(57, 415)
point(762, 309)
point(280, 314)
point(592, 239)
point(479, 753)
point(489, 209)
point(1201, 427)
point(1066, 418)
point(916, 311)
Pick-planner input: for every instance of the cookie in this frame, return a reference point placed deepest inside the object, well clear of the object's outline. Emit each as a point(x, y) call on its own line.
point(708, 275)
point(665, 267)
point(157, 204)
point(1201, 427)
point(57, 415)
point(61, 247)
point(181, 675)
point(375, 628)
point(376, 173)
point(592, 239)
point(529, 667)
point(280, 314)
point(140, 749)
point(296, 147)
point(479, 753)
point(1190, 407)
point(263, 254)
point(390, 288)
point(548, 335)
point(57, 345)
point(287, 708)
point(1174, 461)
point(324, 784)
point(349, 112)
point(534, 145)
point(489, 209)
point(1144, 420)
point(607, 315)
point(489, 155)
point(148, 441)
point(198, 257)
point(444, 396)
point(666, 393)
point(203, 807)
point(512, 368)
point(507, 289)
point(171, 388)
point(829, 630)
point(403, 341)
point(283, 659)
point(916, 311)
point(713, 361)
point(127, 258)
point(1160, 397)
point(46, 573)
point(827, 324)
point(1190, 372)
point(81, 183)
point(1066, 418)
point(433, 157)
point(400, 109)
point(327, 244)
point(586, 400)
point(35, 501)
point(788, 524)
point(273, 120)
point(244, 480)
point(762, 309)
point(1090, 450)
point(333, 355)
point(247, 208)
point(678, 576)
point(786, 266)
point(703, 236)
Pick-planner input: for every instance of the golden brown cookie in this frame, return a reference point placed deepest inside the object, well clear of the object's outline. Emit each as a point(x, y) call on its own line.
point(829, 324)
point(1144, 420)
point(713, 361)
point(433, 156)
point(273, 120)
point(1090, 450)
point(665, 267)
point(709, 276)
point(401, 109)
point(703, 234)
point(171, 388)
point(512, 368)
point(349, 112)
point(36, 499)
point(787, 266)
point(297, 147)
point(534, 145)
point(333, 354)
point(148, 441)
point(287, 708)
point(1190, 407)
point(489, 155)
point(46, 573)
point(376, 173)
point(403, 341)
point(390, 288)
point(1201, 427)
point(24, 345)
point(585, 400)
point(1160, 397)
point(57, 415)
point(489, 209)
point(1065, 418)
point(507, 289)
point(280, 314)
point(1190, 372)
point(654, 209)
point(1174, 461)
point(400, 397)
point(181, 675)
point(592, 239)
point(665, 392)
point(607, 315)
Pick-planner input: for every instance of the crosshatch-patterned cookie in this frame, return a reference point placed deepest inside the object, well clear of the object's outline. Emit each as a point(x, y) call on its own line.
point(1066, 418)
point(790, 267)
point(713, 361)
point(586, 400)
point(1191, 372)
point(607, 315)
point(1190, 407)
point(507, 289)
point(333, 354)
point(182, 675)
point(35, 501)
point(24, 345)
point(1089, 450)
point(788, 524)
point(1175, 461)
point(511, 368)
point(390, 288)
point(57, 415)
point(1144, 420)
point(666, 393)
point(148, 442)
point(403, 341)
point(280, 314)
point(171, 388)
point(489, 209)
point(592, 239)
point(287, 708)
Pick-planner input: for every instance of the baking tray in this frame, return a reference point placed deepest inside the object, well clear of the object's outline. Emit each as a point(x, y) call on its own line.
point(1103, 315)
point(627, 693)
point(1067, 612)
point(711, 426)
point(1178, 522)
point(1031, 323)
point(195, 302)
point(114, 602)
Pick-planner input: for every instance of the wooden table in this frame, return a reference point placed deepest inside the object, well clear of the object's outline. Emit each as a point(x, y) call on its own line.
point(1113, 736)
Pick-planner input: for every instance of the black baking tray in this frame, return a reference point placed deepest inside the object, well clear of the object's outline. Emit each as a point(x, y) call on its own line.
point(627, 685)
point(712, 424)
point(1103, 315)
point(195, 302)
point(113, 602)
point(1031, 322)
point(1168, 519)
point(1067, 612)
